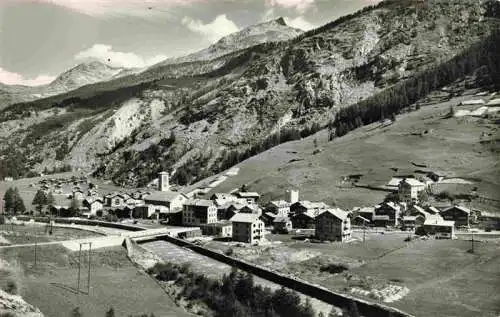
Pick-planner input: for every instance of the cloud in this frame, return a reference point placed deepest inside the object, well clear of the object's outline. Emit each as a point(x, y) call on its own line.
point(106, 7)
point(214, 30)
point(10, 78)
point(106, 54)
point(299, 5)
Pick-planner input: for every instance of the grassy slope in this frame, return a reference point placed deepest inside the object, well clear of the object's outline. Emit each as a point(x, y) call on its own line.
point(115, 282)
point(442, 277)
point(37, 233)
point(452, 147)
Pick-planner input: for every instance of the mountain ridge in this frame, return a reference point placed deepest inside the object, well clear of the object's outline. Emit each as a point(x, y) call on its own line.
point(276, 30)
point(82, 74)
point(233, 106)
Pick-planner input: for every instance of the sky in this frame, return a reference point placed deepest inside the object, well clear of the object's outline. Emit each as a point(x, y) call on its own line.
point(39, 39)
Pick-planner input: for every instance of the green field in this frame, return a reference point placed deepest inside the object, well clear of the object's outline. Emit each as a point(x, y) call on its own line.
point(115, 282)
point(443, 278)
point(31, 233)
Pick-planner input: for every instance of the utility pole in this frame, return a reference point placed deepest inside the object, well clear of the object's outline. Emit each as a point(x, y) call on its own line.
point(35, 253)
point(364, 231)
point(79, 269)
point(88, 281)
point(472, 242)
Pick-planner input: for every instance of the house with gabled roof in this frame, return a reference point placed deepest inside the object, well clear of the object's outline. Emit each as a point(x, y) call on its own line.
point(282, 224)
point(360, 221)
point(93, 204)
point(365, 212)
point(247, 228)
point(432, 210)
point(304, 220)
point(251, 209)
point(250, 197)
point(387, 210)
point(232, 209)
point(173, 201)
point(408, 223)
point(279, 207)
point(113, 200)
point(268, 218)
point(419, 213)
point(198, 212)
point(333, 225)
point(221, 199)
point(305, 206)
point(461, 215)
point(221, 229)
point(440, 228)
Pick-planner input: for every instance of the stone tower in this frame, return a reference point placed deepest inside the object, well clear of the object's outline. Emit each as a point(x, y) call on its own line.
point(292, 196)
point(163, 184)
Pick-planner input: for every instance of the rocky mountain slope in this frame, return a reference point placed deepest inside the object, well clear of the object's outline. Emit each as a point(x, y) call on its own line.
point(86, 73)
point(453, 147)
point(272, 31)
point(197, 118)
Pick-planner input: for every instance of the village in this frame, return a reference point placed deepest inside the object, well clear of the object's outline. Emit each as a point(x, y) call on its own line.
point(241, 216)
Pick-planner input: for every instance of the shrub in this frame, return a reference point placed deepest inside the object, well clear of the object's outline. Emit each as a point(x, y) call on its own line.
point(334, 268)
point(229, 252)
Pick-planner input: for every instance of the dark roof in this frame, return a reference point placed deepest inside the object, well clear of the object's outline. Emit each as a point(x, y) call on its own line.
point(461, 208)
point(247, 194)
point(362, 218)
point(219, 224)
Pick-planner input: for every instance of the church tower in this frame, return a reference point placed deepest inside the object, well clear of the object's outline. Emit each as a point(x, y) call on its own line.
point(163, 184)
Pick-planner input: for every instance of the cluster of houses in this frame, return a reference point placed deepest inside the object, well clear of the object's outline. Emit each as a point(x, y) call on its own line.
point(240, 216)
point(411, 213)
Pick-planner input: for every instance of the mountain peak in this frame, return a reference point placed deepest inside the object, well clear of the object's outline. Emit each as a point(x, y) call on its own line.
point(87, 72)
point(281, 21)
point(270, 31)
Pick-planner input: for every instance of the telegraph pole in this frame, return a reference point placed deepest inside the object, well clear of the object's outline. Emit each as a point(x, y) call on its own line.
point(35, 253)
point(88, 281)
point(79, 269)
point(472, 242)
point(364, 231)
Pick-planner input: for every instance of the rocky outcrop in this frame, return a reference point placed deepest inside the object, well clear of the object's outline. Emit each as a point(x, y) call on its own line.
point(14, 305)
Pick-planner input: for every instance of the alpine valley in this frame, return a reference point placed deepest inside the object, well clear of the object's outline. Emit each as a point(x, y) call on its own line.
point(268, 84)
